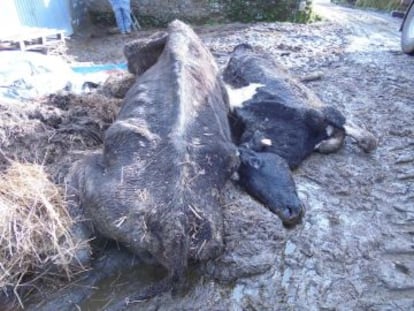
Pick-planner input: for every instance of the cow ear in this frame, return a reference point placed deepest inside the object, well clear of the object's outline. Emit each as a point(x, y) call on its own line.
point(255, 162)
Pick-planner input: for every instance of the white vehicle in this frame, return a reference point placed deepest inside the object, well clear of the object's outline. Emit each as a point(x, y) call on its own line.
point(407, 28)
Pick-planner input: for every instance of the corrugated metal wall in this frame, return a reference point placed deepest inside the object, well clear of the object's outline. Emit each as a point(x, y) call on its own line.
point(35, 13)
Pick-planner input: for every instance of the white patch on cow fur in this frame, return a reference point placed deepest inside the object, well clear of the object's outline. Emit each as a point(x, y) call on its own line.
point(238, 96)
point(235, 176)
point(329, 130)
point(266, 142)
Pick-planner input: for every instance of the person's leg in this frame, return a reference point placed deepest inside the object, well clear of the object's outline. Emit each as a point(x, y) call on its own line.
point(119, 19)
point(126, 6)
point(126, 15)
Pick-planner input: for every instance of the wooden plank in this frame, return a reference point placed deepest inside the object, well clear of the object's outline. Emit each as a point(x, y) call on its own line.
point(33, 33)
point(61, 36)
point(21, 45)
point(29, 38)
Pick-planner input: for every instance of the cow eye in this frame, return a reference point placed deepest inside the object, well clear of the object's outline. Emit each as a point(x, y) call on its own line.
point(255, 162)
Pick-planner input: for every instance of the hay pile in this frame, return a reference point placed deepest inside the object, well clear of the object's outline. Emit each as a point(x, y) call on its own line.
point(34, 226)
point(36, 248)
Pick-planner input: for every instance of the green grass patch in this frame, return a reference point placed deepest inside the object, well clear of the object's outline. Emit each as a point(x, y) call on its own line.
point(387, 5)
point(230, 11)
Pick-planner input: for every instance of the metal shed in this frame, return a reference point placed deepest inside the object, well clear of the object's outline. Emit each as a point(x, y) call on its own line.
point(54, 14)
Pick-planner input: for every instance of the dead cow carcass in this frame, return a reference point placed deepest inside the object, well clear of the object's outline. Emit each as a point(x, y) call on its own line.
point(156, 186)
point(274, 114)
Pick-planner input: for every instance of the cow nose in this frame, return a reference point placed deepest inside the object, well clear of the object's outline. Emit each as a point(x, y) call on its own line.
point(293, 215)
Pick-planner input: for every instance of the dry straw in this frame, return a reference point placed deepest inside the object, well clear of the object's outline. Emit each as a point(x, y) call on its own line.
point(34, 226)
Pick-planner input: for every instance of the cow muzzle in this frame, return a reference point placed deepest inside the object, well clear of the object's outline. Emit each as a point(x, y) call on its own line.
point(292, 215)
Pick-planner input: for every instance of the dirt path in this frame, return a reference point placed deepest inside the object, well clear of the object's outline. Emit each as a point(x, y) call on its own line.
point(369, 29)
point(355, 249)
point(364, 256)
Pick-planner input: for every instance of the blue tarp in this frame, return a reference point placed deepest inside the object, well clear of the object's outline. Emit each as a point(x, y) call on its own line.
point(98, 68)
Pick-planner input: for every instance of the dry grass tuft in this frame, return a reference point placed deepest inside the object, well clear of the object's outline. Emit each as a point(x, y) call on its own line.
point(98, 106)
point(34, 226)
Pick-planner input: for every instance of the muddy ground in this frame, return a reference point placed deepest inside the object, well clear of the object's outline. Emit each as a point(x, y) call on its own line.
point(355, 248)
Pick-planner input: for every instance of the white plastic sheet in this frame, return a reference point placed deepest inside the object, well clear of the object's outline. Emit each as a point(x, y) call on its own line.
point(29, 75)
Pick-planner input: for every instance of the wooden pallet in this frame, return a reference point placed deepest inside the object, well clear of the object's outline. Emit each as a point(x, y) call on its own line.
point(30, 38)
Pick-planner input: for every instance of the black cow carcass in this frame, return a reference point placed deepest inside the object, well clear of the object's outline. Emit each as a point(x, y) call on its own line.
point(282, 115)
point(278, 122)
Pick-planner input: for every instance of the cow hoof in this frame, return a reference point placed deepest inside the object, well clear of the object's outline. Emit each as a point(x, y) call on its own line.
point(365, 140)
point(332, 144)
point(368, 142)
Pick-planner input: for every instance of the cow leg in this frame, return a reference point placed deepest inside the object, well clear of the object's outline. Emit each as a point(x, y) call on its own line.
point(168, 242)
point(333, 143)
point(163, 233)
point(81, 228)
point(365, 140)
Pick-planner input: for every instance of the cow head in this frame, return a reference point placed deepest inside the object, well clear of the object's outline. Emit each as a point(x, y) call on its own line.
point(267, 177)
